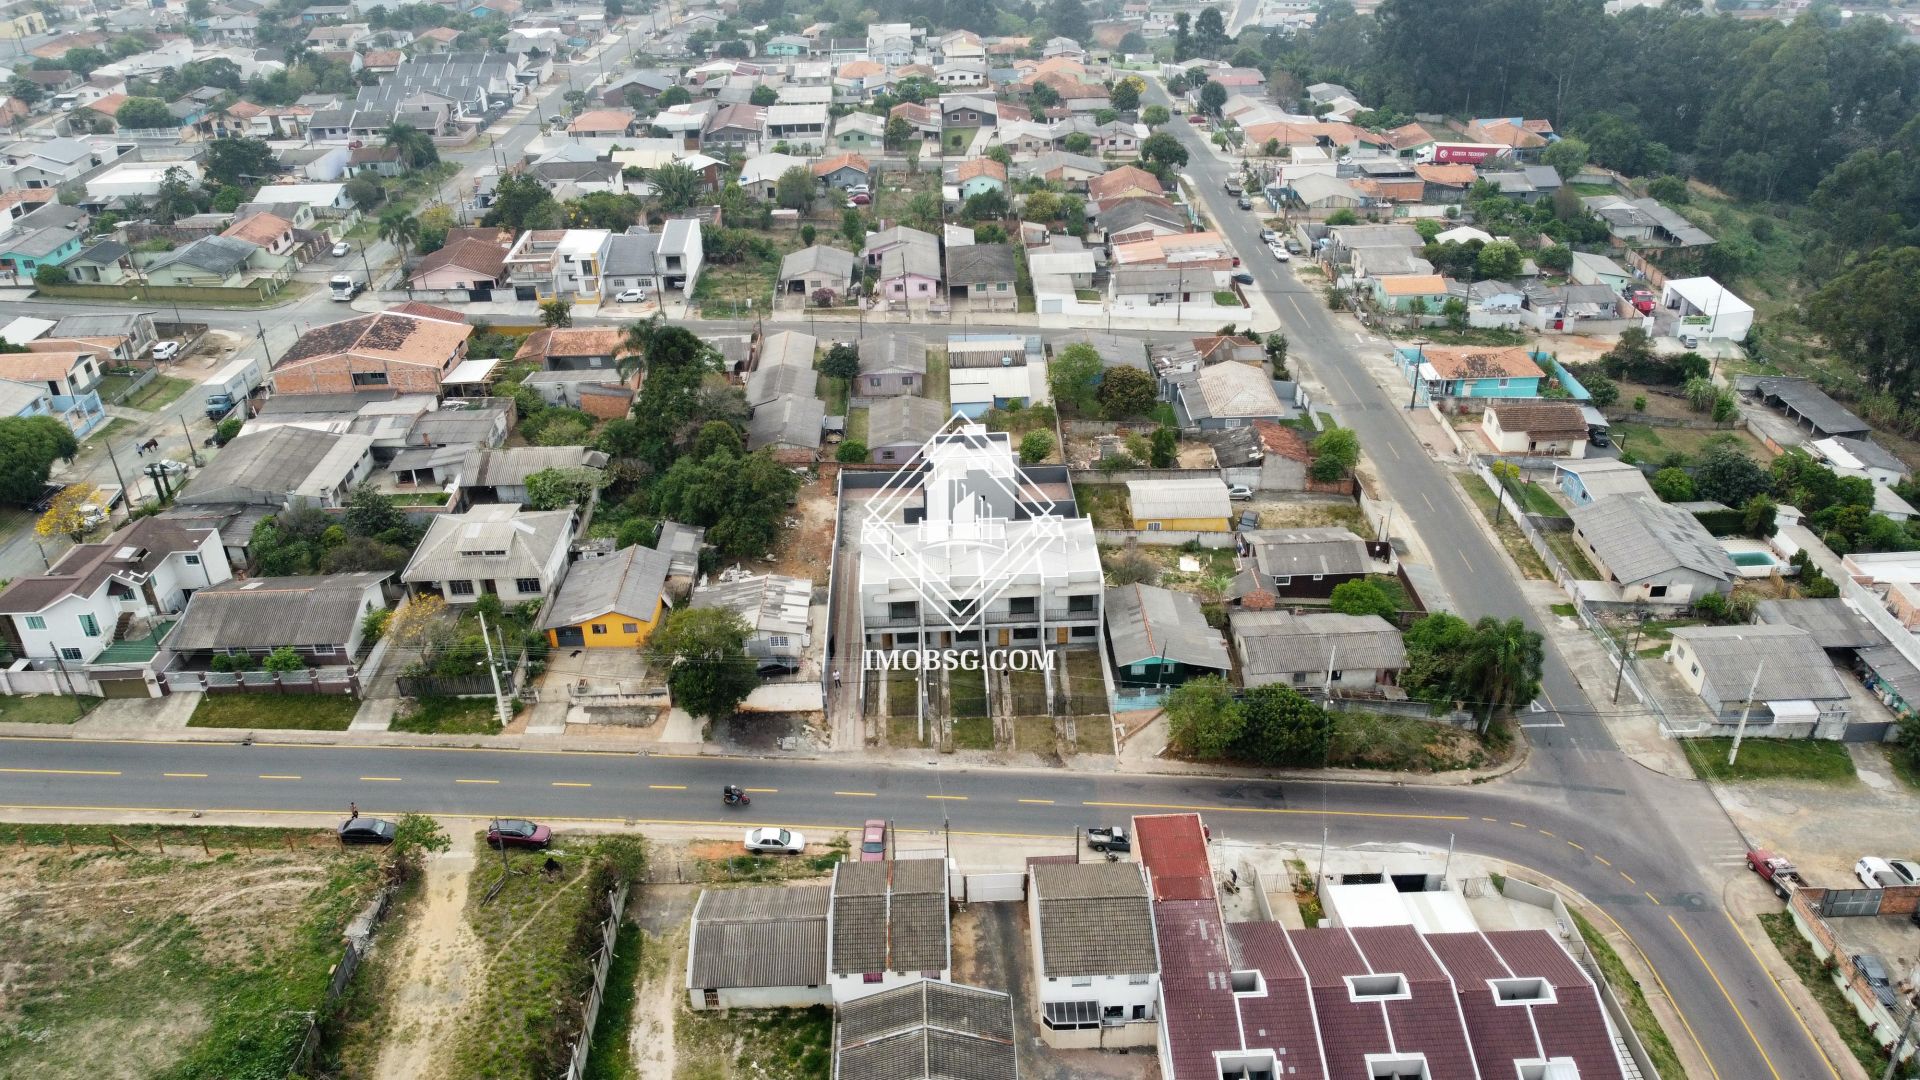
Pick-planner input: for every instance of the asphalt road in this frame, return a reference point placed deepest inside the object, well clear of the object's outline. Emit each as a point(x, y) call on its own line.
point(1741, 1021)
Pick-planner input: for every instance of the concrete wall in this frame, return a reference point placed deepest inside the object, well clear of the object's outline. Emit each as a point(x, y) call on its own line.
point(763, 997)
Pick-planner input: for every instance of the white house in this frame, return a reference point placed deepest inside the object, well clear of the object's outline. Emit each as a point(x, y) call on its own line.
point(1095, 965)
point(1707, 309)
point(145, 569)
point(496, 549)
point(887, 926)
point(1543, 428)
point(759, 948)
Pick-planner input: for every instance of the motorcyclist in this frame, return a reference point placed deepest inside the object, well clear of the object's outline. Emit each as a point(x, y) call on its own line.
point(732, 793)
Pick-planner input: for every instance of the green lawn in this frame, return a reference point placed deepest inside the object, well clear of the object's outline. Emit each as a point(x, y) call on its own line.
point(449, 716)
point(723, 291)
point(938, 385)
point(1821, 760)
point(612, 1056)
point(1509, 533)
point(969, 692)
point(1106, 504)
point(1627, 989)
point(1903, 766)
point(1534, 499)
point(305, 712)
point(44, 708)
point(1566, 610)
point(1594, 189)
point(108, 431)
point(1402, 744)
point(765, 1044)
point(1034, 734)
point(857, 426)
point(1575, 560)
point(1813, 975)
point(1093, 735)
point(156, 395)
point(972, 733)
point(1226, 298)
point(1648, 443)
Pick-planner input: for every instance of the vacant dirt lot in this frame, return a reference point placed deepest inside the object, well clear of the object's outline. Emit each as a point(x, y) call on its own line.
point(805, 548)
point(127, 962)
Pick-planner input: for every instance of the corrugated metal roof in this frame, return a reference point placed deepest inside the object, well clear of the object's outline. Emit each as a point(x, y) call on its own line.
point(766, 936)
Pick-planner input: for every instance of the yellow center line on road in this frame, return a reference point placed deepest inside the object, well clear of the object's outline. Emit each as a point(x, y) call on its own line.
point(1038, 802)
point(1715, 976)
point(569, 783)
point(476, 781)
point(381, 779)
point(1741, 934)
point(859, 794)
point(760, 790)
point(1650, 896)
point(1280, 810)
point(1575, 846)
point(1519, 824)
point(1544, 832)
point(185, 775)
point(668, 787)
point(949, 798)
point(65, 772)
point(1602, 860)
point(277, 776)
point(1629, 878)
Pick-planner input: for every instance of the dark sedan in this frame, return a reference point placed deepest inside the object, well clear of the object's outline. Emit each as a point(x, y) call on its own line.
point(516, 833)
point(367, 830)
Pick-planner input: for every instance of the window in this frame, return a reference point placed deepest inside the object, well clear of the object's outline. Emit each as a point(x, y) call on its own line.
point(527, 584)
point(1082, 980)
point(1694, 668)
point(1137, 980)
point(1083, 631)
point(629, 628)
point(1532, 991)
point(873, 977)
point(1140, 1011)
point(886, 455)
point(1153, 526)
point(906, 380)
point(89, 626)
point(1021, 605)
point(1080, 603)
point(1070, 1015)
point(460, 588)
point(36, 622)
point(963, 609)
point(324, 650)
point(873, 380)
point(1397, 1067)
point(1299, 678)
point(778, 641)
point(193, 560)
point(1656, 590)
point(1378, 988)
point(69, 654)
point(1026, 633)
point(1334, 675)
point(599, 628)
point(369, 378)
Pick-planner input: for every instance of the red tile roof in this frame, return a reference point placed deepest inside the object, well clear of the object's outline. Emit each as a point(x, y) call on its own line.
point(1173, 847)
point(1283, 1020)
point(1283, 440)
point(1199, 1015)
point(1348, 1030)
point(1428, 1022)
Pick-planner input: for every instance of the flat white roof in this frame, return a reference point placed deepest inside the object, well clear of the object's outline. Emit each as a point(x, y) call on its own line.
point(25, 329)
point(1708, 296)
point(471, 371)
point(1378, 904)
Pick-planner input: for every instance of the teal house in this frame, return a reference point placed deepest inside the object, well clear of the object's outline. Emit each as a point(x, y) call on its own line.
point(788, 45)
point(1398, 292)
point(48, 236)
point(1440, 372)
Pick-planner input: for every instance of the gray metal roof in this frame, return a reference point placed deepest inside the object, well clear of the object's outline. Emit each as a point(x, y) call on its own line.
point(919, 259)
point(819, 259)
point(904, 419)
point(790, 421)
point(1186, 497)
point(509, 466)
point(1833, 622)
point(769, 603)
point(1809, 401)
point(889, 916)
point(462, 546)
point(1274, 644)
point(1872, 454)
point(1145, 622)
point(1790, 663)
point(768, 936)
point(928, 1030)
point(770, 381)
point(682, 544)
point(214, 254)
point(267, 613)
point(980, 264)
point(267, 466)
point(1893, 668)
point(1095, 919)
point(1292, 552)
point(896, 354)
point(1607, 476)
point(628, 582)
point(631, 253)
point(1640, 538)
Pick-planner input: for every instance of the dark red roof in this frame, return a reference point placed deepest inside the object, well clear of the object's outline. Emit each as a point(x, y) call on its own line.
point(1283, 1020)
point(1428, 1022)
point(1173, 847)
point(1200, 1016)
point(1349, 1031)
point(1574, 1026)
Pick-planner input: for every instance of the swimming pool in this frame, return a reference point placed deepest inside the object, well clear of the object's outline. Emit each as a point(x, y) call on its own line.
point(1751, 558)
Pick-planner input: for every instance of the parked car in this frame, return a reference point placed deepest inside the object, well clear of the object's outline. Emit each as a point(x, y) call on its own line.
point(1268, 236)
point(1109, 838)
point(1775, 871)
point(858, 189)
point(1279, 253)
point(367, 830)
point(1689, 341)
point(858, 199)
point(1239, 491)
point(769, 841)
point(873, 841)
point(1293, 245)
point(171, 467)
point(1875, 873)
point(342, 248)
point(166, 350)
point(1246, 203)
point(1874, 971)
point(1598, 436)
point(1906, 868)
point(631, 296)
point(1243, 278)
point(1196, 118)
point(512, 832)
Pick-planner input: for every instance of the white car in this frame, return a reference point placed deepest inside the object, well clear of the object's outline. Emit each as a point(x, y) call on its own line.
point(171, 467)
point(1876, 873)
point(166, 350)
point(1239, 491)
point(859, 189)
point(1906, 868)
point(1279, 253)
point(631, 296)
point(342, 248)
point(775, 842)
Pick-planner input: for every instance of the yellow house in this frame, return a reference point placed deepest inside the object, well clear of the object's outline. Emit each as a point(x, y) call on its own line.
point(610, 603)
point(22, 25)
point(1184, 505)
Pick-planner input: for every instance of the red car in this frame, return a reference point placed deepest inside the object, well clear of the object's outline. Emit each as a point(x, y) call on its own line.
point(873, 842)
point(516, 833)
point(1196, 118)
point(859, 198)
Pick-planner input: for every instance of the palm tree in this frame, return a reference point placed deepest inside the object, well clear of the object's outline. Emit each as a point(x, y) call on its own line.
point(675, 187)
point(415, 146)
point(1502, 669)
point(401, 228)
point(639, 338)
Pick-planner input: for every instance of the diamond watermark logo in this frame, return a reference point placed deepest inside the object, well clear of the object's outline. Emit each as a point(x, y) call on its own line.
point(959, 523)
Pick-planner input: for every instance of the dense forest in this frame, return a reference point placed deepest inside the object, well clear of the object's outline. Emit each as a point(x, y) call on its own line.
point(1813, 122)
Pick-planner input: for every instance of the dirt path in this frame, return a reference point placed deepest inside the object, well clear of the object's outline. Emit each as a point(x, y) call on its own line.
point(439, 968)
point(651, 1037)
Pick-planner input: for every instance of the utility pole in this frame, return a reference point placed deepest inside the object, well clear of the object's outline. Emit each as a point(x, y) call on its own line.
point(1324, 831)
point(1900, 1044)
point(1746, 710)
point(1634, 651)
point(124, 489)
point(192, 450)
point(493, 672)
point(1447, 868)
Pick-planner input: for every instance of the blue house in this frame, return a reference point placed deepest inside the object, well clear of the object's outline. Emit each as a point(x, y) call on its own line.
point(1439, 372)
point(50, 235)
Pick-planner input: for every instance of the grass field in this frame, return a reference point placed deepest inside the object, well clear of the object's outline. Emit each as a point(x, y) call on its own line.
point(1033, 734)
point(306, 712)
point(770, 1044)
point(1106, 504)
point(125, 963)
point(972, 733)
point(1818, 760)
point(1813, 975)
point(44, 709)
point(1402, 744)
point(1903, 767)
point(1648, 443)
point(939, 383)
point(969, 692)
point(1510, 536)
point(449, 716)
point(1627, 989)
point(1575, 560)
point(157, 394)
point(1535, 499)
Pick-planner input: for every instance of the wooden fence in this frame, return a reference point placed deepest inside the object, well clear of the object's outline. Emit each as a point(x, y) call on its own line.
point(350, 956)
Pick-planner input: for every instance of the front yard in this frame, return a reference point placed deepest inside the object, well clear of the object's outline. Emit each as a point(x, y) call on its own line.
point(306, 712)
point(44, 708)
point(1820, 760)
point(1654, 444)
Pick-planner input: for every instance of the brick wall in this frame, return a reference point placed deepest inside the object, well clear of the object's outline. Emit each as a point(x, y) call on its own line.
point(606, 402)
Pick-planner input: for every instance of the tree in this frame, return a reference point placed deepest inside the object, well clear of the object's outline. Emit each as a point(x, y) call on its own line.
point(1163, 148)
point(1203, 719)
point(1035, 446)
point(1567, 156)
point(1499, 261)
point(1500, 669)
point(1125, 94)
point(399, 228)
point(422, 624)
point(51, 274)
point(24, 89)
point(1343, 216)
point(1078, 143)
point(741, 500)
point(73, 513)
point(763, 95)
point(1155, 115)
point(365, 193)
point(1163, 447)
point(563, 488)
point(853, 228)
point(1725, 475)
point(144, 113)
point(1362, 597)
point(674, 95)
point(1672, 485)
point(842, 361)
point(1670, 190)
point(1700, 393)
point(557, 312)
point(795, 189)
point(415, 146)
point(1126, 393)
point(704, 653)
point(899, 129)
point(521, 203)
point(1068, 18)
point(1757, 517)
point(1280, 727)
point(850, 452)
point(1213, 97)
point(28, 447)
point(1277, 353)
point(1073, 377)
point(175, 199)
point(283, 659)
point(1335, 453)
point(240, 162)
point(675, 186)
point(370, 512)
point(989, 205)
point(1602, 391)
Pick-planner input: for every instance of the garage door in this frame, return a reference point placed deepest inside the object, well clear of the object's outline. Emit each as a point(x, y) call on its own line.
point(124, 688)
point(570, 635)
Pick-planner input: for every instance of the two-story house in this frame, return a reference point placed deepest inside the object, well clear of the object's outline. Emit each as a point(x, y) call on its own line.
point(405, 352)
point(1096, 970)
point(48, 236)
point(497, 549)
point(567, 263)
point(146, 569)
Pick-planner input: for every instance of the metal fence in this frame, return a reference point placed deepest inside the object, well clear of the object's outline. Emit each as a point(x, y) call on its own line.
point(602, 961)
point(327, 680)
point(1840, 903)
point(133, 388)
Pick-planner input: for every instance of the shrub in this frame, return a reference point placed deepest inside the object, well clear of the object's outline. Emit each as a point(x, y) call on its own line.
point(851, 452)
point(1035, 447)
